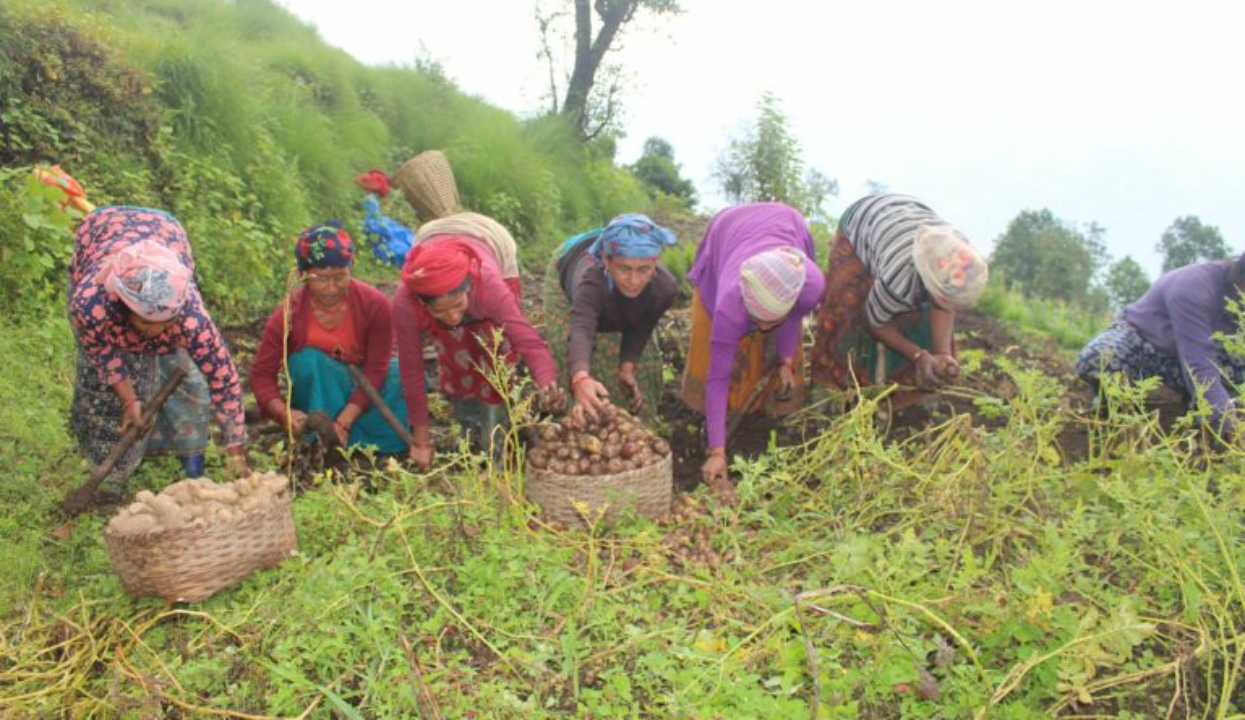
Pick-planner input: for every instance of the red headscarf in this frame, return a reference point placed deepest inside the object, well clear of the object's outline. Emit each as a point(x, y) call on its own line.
point(437, 266)
point(374, 181)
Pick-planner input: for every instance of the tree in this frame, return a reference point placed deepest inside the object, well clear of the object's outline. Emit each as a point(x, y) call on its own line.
point(1049, 258)
point(766, 163)
point(1187, 240)
point(1126, 282)
point(658, 170)
point(591, 106)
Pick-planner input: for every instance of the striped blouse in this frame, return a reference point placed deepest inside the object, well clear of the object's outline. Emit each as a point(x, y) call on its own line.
point(881, 229)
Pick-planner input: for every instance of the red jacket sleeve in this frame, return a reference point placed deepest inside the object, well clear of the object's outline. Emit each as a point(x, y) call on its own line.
point(498, 303)
point(267, 363)
point(376, 317)
point(410, 337)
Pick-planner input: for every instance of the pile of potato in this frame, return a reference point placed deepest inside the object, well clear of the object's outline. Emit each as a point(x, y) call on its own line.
point(691, 541)
point(197, 503)
point(615, 442)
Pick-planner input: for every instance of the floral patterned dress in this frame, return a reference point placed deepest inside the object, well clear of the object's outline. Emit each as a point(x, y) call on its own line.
point(110, 350)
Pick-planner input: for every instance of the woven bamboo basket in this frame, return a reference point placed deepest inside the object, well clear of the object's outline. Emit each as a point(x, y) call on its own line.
point(193, 563)
point(427, 182)
point(647, 490)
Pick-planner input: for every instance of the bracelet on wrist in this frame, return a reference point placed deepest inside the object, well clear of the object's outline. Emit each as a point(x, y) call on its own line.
point(917, 355)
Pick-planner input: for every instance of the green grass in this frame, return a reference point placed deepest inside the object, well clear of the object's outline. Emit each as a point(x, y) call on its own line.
point(37, 456)
point(1023, 581)
point(1026, 578)
point(242, 122)
point(1068, 325)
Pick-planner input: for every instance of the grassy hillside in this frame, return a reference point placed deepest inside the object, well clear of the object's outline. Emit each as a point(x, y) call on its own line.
point(239, 120)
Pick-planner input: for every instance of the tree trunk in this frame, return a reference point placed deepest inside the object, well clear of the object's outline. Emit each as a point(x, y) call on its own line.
point(590, 51)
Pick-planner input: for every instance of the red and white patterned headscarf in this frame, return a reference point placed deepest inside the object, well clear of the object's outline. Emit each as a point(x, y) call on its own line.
point(149, 278)
point(951, 270)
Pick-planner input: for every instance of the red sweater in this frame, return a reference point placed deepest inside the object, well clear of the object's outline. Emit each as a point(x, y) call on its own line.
point(493, 301)
point(373, 321)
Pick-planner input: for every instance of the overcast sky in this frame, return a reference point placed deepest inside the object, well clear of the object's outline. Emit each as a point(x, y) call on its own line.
point(1122, 113)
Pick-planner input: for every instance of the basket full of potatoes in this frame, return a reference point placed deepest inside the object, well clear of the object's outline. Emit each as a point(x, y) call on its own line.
point(576, 472)
point(197, 537)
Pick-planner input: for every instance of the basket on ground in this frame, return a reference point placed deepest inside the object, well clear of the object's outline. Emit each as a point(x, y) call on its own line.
point(427, 182)
point(193, 563)
point(574, 499)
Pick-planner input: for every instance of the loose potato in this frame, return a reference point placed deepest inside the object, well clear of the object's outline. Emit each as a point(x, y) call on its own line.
point(133, 524)
point(181, 491)
point(276, 483)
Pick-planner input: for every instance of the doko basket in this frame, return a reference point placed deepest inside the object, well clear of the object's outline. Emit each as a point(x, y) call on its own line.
point(193, 563)
point(647, 490)
point(427, 182)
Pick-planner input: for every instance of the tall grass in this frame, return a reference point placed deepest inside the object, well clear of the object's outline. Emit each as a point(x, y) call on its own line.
point(239, 119)
point(1069, 325)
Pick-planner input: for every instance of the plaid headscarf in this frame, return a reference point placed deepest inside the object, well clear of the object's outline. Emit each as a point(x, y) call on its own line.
point(324, 246)
point(771, 283)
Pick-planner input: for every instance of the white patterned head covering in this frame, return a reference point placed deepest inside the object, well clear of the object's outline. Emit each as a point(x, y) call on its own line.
point(951, 270)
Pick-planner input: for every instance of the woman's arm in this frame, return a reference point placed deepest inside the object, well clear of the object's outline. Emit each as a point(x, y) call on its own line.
point(410, 339)
point(378, 341)
point(208, 351)
point(498, 304)
point(266, 366)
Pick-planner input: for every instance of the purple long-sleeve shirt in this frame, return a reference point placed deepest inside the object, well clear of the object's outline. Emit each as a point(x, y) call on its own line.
point(1179, 315)
point(734, 235)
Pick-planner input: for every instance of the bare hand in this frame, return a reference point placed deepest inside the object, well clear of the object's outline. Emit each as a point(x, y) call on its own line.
point(714, 474)
point(590, 397)
point(946, 367)
point(132, 416)
point(926, 369)
point(296, 420)
point(421, 455)
point(626, 378)
point(343, 433)
point(552, 399)
point(786, 381)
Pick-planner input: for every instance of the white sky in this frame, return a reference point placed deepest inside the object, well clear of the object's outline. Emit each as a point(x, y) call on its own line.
point(1123, 113)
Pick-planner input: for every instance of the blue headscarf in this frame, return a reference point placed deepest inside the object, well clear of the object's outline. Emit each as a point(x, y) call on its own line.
point(632, 235)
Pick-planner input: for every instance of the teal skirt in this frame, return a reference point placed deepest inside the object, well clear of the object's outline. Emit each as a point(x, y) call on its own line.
point(324, 384)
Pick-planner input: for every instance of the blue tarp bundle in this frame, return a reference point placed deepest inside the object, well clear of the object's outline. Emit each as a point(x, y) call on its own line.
point(389, 239)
